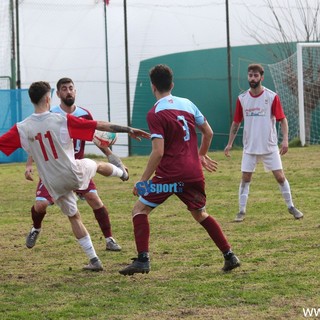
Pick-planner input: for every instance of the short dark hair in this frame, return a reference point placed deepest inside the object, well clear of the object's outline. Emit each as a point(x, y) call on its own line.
point(38, 90)
point(161, 77)
point(256, 67)
point(63, 81)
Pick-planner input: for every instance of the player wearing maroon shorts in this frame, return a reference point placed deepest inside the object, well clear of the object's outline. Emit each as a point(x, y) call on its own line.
point(67, 93)
point(177, 164)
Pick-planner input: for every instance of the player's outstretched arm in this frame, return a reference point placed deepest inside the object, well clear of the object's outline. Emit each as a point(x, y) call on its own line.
point(133, 132)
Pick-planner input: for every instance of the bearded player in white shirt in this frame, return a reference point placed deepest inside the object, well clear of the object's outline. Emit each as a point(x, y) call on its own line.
point(48, 138)
point(260, 109)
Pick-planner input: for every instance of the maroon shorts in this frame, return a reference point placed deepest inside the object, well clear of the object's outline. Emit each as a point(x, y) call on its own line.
point(192, 194)
point(43, 194)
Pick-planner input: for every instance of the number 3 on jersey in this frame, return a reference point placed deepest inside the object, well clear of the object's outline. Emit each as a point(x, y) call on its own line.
point(48, 136)
point(184, 127)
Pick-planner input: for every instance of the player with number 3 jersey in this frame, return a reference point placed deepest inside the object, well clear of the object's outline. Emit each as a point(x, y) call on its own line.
point(174, 120)
point(177, 163)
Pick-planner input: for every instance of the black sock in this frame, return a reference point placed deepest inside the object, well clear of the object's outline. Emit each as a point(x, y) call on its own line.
point(143, 256)
point(228, 254)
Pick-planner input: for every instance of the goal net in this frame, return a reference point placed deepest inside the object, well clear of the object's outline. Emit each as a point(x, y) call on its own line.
point(297, 81)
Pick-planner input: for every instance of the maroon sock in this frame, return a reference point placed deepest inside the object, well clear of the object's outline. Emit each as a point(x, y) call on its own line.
point(216, 233)
point(102, 216)
point(141, 232)
point(37, 217)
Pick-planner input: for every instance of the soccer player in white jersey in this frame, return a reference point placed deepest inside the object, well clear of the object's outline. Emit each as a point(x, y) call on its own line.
point(260, 109)
point(66, 92)
point(48, 138)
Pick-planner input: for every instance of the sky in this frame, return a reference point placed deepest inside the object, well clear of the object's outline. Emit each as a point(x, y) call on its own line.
point(61, 38)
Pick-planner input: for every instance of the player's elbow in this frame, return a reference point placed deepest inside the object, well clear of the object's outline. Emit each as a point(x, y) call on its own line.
point(209, 133)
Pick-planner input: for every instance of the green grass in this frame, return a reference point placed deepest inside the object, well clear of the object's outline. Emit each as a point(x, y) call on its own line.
point(279, 275)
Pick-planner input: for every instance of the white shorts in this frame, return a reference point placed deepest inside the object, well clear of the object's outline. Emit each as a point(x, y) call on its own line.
point(271, 161)
point(86, 170)
point(68, 204)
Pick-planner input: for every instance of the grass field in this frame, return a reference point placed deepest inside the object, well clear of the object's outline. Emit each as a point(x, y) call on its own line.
point(279, 275)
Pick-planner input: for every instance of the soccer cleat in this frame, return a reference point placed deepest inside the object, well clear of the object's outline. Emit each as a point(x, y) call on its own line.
point(240, 217)
point(125, 176)
point(112, 245)
point(295, 212)
point(136, 267)
point(115, 160)
point(32, 238)
point(231, 262)
point(94, 265)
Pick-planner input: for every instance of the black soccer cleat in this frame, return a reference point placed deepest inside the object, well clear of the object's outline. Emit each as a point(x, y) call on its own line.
point(136, 267)
point(230, 262)
point(31, 238)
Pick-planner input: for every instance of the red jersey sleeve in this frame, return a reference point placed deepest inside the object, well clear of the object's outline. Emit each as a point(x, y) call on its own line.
point(80, 128)
point(277, 109)
point(238, 114)
point(10, 141)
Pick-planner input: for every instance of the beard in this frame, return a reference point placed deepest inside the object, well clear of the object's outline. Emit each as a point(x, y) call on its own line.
point(254, 84)
point(68, 101)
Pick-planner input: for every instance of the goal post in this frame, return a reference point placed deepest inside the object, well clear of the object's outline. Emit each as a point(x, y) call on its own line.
point(297, 81)
point(302, 127)
point(300, 73)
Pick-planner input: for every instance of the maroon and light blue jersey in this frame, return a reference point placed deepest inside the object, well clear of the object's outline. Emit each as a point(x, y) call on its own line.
point(175, 119)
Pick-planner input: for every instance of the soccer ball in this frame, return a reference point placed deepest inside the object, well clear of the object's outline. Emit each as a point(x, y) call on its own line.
point(104, 138)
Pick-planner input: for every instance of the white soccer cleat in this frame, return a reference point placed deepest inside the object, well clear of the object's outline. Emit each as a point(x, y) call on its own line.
point(240, 216)
point(94, 265)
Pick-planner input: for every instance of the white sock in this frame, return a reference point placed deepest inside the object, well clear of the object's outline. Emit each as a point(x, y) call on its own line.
point(116, 172)
point(87, 247)
point(286, 193)
point(34, 229)
point(243, 195)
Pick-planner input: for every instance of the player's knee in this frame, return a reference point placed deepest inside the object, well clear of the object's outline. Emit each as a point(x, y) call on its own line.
point(138, 210)
point(246, 177)
point(41, 206)
point(281, 180)
point(199, 215)
point(280, 177)
point(93, 200)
